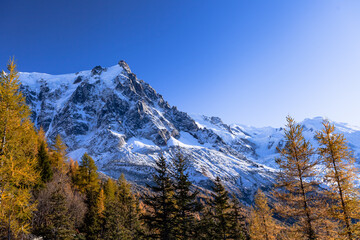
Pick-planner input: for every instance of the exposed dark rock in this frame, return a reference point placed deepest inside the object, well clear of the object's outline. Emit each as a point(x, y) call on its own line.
point(125, 66)
point(162, 137)
point(163, 104)
point(97, 70)
point(44, 90)
point(182, 120)
point(82, 93)
point(79, 128)
point(217, 121)
point(115, 105)
point(78, 79)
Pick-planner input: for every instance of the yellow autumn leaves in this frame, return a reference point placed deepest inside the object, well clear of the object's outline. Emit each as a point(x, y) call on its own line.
point(307, 209)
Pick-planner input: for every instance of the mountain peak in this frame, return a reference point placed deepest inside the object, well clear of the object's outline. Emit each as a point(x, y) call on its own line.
point(125, 125)
point(125, 66)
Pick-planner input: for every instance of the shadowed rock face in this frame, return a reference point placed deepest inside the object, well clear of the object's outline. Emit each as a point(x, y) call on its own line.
point(125, 124)
point(97, 70)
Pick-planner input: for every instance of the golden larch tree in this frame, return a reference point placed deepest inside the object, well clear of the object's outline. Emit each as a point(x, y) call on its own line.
point(58, 155)
point(262, 224)
point(101, 203)
point(297, 191)
point(18, 147)
point(340, 176)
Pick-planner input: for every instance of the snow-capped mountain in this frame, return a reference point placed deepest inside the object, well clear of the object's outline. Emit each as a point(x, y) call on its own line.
point(263, 142)
point(124, 124)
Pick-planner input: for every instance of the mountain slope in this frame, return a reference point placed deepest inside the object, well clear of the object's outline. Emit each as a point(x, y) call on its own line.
point(125, 125)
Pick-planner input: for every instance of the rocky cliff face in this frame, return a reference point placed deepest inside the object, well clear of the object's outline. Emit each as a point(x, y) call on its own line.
point(124, 124)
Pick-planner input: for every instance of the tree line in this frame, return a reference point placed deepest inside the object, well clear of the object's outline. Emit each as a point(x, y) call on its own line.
point(45, 194)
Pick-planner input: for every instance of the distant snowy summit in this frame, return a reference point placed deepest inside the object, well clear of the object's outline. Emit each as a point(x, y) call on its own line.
point(124, 124)
point(264, 141)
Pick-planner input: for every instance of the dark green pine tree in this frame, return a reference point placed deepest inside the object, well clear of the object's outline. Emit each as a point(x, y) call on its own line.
point(88, 182)
point(61, 225)
point(238, 230)
point(185, 199)
point(44, 164)
point(113, 227)
point(92, 221)
point(131, 209)
point(205, 229)
point(221, 210)
point(160, 216)
point(122, 212)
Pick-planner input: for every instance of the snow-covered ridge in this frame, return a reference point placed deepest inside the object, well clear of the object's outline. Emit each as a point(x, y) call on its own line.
point(125, 125)
point(264, 141)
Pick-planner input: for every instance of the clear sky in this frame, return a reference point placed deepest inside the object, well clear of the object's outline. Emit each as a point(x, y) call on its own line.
point(250, 62)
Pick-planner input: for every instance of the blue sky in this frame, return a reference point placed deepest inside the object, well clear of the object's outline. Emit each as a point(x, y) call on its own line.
point(250, 62)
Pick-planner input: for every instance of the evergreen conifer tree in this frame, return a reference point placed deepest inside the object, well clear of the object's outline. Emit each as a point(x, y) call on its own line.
point(87, 177)
point(61, 224)
point(206, 228)
point(44, 164)
point(185, 200)
point(238, 229)
point(221, 210)
point(160, 217)
point(124, 192)
point(73, 171)
point(122, 212)
point(340, 176)
point(131, 208)
point(92, 220)
point(114, 227)
point(88, 182)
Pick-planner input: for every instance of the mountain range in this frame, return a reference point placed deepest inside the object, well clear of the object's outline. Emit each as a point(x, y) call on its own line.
point(125, 125)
